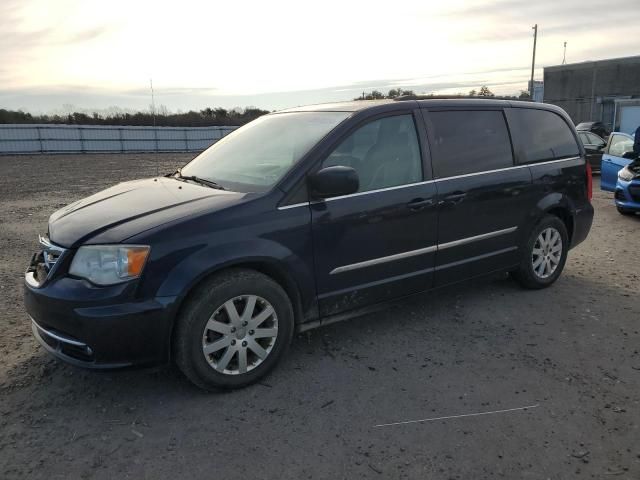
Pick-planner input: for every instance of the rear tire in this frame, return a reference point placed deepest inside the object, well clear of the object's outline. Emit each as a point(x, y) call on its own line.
point(545, 254)
point(233, 330)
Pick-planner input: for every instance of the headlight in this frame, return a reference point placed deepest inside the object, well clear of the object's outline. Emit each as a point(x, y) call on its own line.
point(625, 174)
point(109, 264)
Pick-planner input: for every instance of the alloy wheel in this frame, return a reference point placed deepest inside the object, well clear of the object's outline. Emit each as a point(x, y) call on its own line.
point(240, 334)
point(547, 252)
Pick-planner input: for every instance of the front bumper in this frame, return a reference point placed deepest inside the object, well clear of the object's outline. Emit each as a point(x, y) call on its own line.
point(100, 327)
point(627, 194)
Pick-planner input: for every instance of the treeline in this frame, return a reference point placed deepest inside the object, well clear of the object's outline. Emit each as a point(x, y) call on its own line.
point(163, 118)
point(378, 95)
point(398, 92)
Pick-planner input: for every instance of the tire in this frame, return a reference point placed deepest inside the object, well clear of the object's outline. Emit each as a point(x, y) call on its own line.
point(547, 271)
point(624, 211)
point(230, 334)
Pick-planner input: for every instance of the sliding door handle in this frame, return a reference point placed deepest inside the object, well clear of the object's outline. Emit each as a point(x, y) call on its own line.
point(455, 197)
point(420, 203)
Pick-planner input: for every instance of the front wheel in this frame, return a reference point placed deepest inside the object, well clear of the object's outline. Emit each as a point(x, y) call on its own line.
point(545, 254)
point(233, 330)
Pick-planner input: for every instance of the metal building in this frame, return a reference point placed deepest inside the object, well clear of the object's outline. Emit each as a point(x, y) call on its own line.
point(603, 90)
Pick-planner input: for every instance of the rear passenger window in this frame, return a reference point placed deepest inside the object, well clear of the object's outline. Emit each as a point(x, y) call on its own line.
point(468, 142)
point(540, 135)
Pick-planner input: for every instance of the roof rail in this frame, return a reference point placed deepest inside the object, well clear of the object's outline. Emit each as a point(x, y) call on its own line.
point(450, 97)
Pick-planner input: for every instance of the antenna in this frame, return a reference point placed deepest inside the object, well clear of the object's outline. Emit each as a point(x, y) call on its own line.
point(564, 55)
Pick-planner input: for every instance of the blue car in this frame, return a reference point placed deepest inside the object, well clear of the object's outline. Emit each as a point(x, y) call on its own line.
point(621, 174)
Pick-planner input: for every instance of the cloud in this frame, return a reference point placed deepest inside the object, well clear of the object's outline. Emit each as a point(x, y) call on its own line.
point(529, 11)
point(173, 91)
point(505, 20)
point(72, 47)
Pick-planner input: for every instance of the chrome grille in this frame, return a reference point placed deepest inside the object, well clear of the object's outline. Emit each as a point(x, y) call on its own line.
point(44, 262)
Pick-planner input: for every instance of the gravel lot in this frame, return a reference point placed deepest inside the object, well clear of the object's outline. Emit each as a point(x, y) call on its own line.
point(573, 350)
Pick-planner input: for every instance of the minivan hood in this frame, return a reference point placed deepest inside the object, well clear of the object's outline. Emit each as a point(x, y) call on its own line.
point(129, 208)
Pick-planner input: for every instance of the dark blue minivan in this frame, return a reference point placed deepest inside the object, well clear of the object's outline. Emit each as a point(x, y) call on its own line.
point(301, 218)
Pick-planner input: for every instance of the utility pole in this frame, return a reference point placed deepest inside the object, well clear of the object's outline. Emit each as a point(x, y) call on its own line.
point(155, 133)
point(564, 55)
point(533, 61)
point(153, 103)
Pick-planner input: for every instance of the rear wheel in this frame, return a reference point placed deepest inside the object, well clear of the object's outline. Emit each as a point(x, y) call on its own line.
point(545, 254)
point(233, 330)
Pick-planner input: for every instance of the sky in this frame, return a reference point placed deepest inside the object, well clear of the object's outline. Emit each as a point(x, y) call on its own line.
point(61, 55)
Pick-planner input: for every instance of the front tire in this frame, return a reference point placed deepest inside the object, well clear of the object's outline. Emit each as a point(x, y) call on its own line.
point(234, 329)
point(545, 254)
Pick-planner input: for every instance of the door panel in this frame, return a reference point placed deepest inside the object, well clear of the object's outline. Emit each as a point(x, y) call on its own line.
point(482, 199)
point(612, 160)
point(478, 233)
point(374, 247)
point(378, 243)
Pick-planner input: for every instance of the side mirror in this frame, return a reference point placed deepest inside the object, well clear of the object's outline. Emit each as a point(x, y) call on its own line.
point(629, 155)
point(333, 182)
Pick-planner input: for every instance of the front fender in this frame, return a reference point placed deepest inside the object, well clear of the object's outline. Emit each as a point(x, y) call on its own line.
point(209, 259)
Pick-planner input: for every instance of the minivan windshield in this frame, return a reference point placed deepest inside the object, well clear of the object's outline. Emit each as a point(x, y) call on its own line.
point(254, 157)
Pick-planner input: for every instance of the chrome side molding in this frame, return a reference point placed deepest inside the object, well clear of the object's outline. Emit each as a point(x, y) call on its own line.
point(390, 258)
point(483, 236)
point(421, 251)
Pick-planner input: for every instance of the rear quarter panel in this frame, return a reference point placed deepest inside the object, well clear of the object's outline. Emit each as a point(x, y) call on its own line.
point(561, 186)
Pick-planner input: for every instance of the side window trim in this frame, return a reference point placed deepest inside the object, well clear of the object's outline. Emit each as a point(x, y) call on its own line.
point(423, 139)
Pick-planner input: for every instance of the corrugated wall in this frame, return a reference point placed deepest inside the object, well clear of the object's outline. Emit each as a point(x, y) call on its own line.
point(18, 138)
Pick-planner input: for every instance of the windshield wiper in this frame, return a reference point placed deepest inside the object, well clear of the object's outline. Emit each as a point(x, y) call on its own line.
point(203, 181)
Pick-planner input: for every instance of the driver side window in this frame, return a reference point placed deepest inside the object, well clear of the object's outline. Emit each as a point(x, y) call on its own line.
point(385, 153)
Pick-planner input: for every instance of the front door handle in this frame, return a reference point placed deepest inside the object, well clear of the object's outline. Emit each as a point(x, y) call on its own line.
point(420, 203)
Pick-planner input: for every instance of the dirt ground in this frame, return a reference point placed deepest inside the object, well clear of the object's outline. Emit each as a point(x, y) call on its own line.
point(571, 352)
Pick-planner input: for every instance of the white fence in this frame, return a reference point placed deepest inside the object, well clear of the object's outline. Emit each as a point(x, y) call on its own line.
point(18, 138)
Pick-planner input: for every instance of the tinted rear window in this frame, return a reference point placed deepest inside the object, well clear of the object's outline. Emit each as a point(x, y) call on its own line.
point(469, 142)
point(540, 135)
